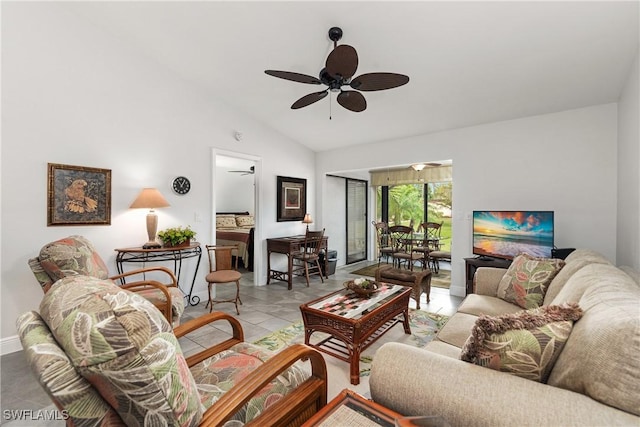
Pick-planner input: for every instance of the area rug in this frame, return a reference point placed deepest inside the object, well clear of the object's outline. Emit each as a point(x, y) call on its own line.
point(424, 327)
point(440, 280)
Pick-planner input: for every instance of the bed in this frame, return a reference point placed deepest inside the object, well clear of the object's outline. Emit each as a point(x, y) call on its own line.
point(237, 228)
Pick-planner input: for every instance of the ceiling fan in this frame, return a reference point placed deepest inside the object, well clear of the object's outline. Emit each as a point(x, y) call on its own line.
point(339, 69)
point(250, 171)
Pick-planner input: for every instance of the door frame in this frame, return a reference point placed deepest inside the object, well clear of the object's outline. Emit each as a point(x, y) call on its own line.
point(257, 232)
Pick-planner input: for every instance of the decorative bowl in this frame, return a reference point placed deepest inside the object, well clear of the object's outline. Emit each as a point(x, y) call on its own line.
point(359, 290)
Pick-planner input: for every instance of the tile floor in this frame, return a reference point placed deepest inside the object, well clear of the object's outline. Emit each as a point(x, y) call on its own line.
point(264, 310)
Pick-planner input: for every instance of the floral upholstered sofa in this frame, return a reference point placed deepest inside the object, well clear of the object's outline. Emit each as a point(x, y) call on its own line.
point(107, 356)
point(578, 366)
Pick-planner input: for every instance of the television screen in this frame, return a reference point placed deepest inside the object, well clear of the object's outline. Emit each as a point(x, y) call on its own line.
point(505, 234)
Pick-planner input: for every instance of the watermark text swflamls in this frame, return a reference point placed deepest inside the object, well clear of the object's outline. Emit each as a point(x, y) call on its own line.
point(35, 414)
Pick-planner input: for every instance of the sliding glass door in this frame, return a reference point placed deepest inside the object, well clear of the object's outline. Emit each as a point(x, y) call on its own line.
point(356, 220)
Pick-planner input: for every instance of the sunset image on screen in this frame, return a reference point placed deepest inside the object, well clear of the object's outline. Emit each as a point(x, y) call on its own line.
point(505, 234)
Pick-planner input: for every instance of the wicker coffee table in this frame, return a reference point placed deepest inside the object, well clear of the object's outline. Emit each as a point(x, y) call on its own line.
point(354, 323)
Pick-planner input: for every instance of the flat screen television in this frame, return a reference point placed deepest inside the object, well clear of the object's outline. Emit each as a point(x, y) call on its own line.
point(505, 234)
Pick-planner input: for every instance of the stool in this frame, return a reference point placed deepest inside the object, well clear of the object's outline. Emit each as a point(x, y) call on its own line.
point(418, 281)
point(436, 256)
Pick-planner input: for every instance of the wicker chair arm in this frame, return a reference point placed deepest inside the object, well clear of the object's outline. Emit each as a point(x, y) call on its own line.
point(194, 324)
point(242, 392)
point(141, 285)
point(173, 281)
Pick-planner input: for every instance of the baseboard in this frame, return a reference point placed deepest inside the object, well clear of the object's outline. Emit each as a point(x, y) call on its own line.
point(10, 345)
point(459, 291)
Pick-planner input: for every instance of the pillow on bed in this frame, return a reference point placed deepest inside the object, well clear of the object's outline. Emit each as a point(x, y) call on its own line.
point(245, 221)
point(225, 221)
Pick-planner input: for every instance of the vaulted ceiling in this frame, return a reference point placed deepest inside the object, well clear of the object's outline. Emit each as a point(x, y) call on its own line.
point(468, 62)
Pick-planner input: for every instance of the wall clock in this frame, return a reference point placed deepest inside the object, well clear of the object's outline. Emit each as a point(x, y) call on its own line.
point(181, 185)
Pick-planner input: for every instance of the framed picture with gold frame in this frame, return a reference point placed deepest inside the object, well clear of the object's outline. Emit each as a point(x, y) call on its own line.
point(292, 198)
point(78, 195)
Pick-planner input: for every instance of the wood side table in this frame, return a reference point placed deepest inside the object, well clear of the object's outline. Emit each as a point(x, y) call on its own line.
point(349, 408)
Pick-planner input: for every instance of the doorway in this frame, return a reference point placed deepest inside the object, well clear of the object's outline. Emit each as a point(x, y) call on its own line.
point(235, 190)
point(356, 203)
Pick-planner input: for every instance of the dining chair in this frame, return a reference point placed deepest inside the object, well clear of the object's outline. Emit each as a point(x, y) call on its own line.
point(383, 241)
point(223, 270)
point(430, 242)
point(402, 243)
point(76, 255)
point(308, 258)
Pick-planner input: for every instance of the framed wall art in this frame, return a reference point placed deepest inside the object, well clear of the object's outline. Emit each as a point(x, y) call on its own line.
point(78, 195)
point(292, 198)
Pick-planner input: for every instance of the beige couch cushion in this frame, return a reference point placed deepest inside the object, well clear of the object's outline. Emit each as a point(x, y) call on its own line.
point(481, 304)
point(574, 262)
point(600, 358)
point(457, 329)
point(443, 349)
point(634, 274)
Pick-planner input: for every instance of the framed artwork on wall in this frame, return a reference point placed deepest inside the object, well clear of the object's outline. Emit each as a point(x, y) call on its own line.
point(78, 195)
point(292, 198)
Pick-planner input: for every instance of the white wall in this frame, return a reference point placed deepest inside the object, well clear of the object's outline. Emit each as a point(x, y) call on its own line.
point(628, 249)
point(235, 192)
point(565, 162)
point(72, 94)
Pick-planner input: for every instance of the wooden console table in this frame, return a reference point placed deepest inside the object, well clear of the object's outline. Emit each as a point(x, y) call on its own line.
point(472, 264)
point(175, 254)
point(287, 246)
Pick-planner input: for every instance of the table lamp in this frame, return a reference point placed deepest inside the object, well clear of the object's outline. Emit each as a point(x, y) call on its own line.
point(307, 220)
point(150, 198)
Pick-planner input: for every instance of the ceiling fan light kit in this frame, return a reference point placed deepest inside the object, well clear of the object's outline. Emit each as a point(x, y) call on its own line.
point(340, 66)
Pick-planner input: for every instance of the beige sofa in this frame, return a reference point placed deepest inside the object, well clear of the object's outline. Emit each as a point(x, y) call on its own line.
point(594, 382)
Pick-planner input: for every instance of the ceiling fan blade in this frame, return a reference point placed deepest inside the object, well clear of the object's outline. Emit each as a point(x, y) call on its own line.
point(352, 100)
point(296, 77)
point(343, 61)
point(378, 81)
point(309, 99)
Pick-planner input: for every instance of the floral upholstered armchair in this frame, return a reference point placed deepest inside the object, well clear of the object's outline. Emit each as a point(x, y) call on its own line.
point(75, 255)
point(107, 356)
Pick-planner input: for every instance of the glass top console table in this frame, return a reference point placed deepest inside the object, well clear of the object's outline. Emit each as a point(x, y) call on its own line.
point(164, 254)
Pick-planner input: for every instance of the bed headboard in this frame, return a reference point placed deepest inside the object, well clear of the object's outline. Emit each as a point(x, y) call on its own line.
point(233, 213)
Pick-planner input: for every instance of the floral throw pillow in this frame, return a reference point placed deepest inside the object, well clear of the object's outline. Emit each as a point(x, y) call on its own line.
point(527, 279)
point(525, 344)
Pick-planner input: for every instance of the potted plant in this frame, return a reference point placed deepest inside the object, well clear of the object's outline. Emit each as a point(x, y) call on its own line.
point(177, 236)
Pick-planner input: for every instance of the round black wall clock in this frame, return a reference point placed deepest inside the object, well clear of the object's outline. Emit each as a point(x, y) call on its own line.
point(181, 185)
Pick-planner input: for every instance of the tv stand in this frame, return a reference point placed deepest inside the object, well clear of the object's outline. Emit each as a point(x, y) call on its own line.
point(484, 258)
point(472, 264)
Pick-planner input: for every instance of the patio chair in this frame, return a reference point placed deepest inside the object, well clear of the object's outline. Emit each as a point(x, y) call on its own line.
point(384, 245)
point(75, 255)
point(402, 243)
point(107, 356)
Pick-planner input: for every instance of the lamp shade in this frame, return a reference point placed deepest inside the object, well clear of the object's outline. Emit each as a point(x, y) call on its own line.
point(418, 166)
point(307, 219)
point(150, 198)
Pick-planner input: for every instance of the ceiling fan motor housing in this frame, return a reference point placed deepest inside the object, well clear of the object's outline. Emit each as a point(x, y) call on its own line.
point(335, 34)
